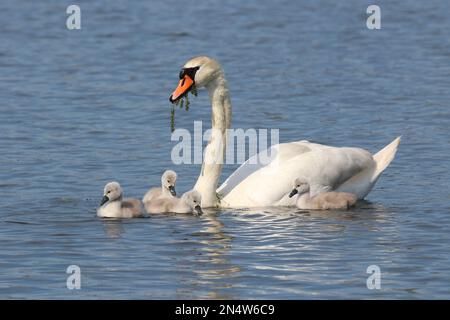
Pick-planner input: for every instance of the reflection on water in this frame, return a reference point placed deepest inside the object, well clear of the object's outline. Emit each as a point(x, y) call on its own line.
point(113, 227)
point(212, 269)
point(225, 254)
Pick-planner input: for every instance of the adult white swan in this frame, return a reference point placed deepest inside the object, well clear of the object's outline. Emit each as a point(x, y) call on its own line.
point(326, 168)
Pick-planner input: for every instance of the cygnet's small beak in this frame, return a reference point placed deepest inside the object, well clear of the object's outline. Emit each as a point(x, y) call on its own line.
point(105, 199)
point(172, 190)
point(198, 209)
point(293, 193)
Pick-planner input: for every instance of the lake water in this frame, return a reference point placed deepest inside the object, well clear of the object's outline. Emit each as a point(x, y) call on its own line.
point(83, 107)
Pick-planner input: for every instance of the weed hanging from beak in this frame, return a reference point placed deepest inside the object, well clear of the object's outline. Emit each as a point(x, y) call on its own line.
point(182, 103)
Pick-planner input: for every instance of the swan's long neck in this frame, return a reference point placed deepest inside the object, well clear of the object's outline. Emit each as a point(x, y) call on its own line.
point(215, 150)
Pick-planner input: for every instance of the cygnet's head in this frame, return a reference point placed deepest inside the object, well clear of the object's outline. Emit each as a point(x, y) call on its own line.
point(199, 71)
point(168, 181)
point(113, 191)
point(301, 186)
point(194, 200)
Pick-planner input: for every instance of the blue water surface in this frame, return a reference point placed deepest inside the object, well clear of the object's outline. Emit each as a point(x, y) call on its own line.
point(79, 108)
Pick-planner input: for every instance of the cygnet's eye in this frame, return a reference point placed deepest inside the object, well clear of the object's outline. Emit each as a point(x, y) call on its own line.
point(109, 191)
point(168, 181)
point(298, 186)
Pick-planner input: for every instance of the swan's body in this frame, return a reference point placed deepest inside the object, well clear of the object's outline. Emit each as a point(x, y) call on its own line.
point(167, 190)
point(321, 201)
point(190, 202)
point(114, 206)
point(328, 168)
point(325, 167)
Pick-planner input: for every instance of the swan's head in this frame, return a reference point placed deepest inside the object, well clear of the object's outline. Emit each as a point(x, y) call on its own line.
point(168, 180)
point(193, 199)
point(199, 71)
point(301, 186)
point(113, 191)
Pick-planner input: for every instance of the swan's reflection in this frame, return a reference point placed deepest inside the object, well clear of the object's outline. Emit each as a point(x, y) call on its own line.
point(283, 231)
point(364, 211)
point(201, 260)
point(212, 268)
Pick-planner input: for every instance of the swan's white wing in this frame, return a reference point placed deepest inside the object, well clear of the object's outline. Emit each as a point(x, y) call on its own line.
point(265, 185)
point(276, 153)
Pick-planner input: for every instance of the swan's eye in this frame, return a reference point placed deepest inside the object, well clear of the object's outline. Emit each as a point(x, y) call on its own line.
point(298, 186)
point(109, 191)
point(168, 181)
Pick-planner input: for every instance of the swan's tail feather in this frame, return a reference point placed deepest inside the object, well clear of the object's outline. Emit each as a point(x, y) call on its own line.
point(384, 157)
point(363, 182)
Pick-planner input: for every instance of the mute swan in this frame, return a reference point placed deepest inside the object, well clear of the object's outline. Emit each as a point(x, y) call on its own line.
point(322, 201)
point(167, 190)
point(327, 168)
point(113, 206)
point(190, 202)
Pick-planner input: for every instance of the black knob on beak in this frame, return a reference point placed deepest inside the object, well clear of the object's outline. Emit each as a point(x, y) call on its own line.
point(105, 199)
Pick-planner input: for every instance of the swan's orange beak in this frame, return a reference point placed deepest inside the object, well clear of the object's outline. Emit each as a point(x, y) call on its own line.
point(183, 87)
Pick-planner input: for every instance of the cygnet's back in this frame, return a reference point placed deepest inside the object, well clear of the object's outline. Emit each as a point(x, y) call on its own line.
point(333, 200)
point(131, 208)
point(190, 202)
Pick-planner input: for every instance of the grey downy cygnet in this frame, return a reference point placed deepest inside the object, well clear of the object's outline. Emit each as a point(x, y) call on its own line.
point(167, 190)
point(114, 206)
point(322, 201)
